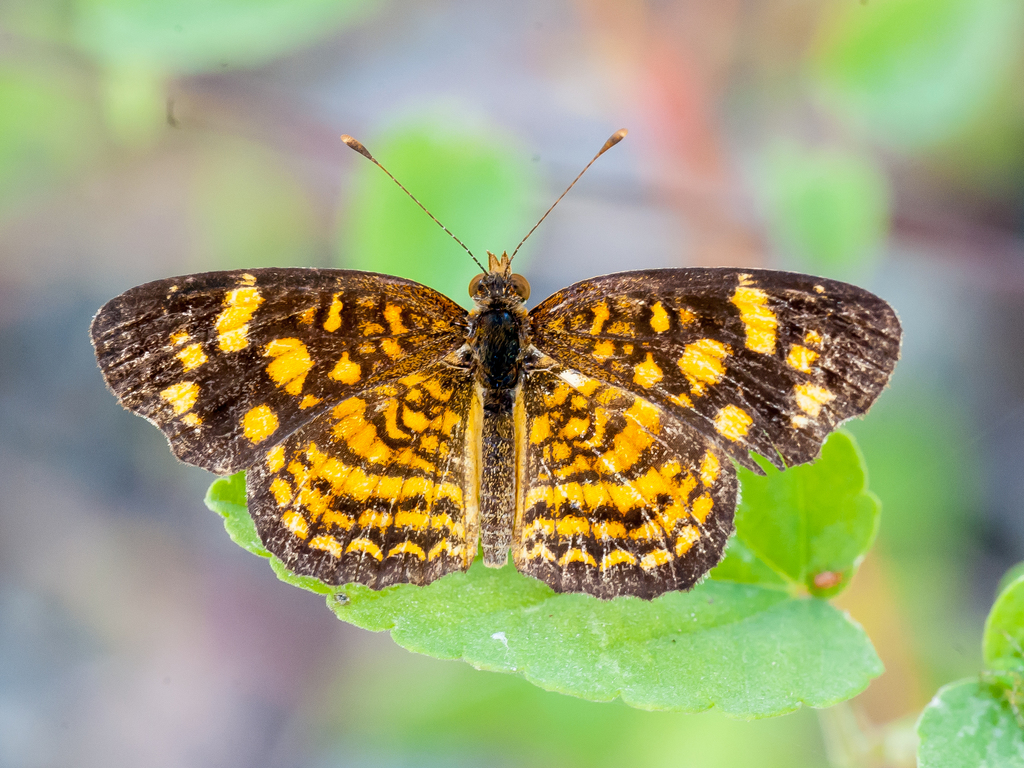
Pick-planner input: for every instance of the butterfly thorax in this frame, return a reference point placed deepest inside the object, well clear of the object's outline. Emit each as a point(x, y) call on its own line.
point(498, 332)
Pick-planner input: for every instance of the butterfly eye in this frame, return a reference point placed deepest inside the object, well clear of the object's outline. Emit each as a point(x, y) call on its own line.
point(474, 284)
point(521, 286)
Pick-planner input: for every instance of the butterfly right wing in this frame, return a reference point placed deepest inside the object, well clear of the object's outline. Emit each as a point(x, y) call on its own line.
point(380, 490)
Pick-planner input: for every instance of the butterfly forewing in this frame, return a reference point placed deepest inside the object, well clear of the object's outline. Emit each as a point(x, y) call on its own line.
point(756, 360)
point(617, 496)
point(380, 489)
point(228, 364)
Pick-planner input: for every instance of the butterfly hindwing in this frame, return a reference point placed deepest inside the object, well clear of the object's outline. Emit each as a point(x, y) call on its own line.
point(757, 360)
point(617, 496)
point(380, 489)
point(229, 363)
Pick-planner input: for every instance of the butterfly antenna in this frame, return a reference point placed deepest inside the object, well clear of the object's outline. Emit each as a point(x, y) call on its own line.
point(358, 147)
point(616, 137)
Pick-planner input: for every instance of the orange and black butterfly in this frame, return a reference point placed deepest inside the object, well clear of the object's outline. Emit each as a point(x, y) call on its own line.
point(387, 431)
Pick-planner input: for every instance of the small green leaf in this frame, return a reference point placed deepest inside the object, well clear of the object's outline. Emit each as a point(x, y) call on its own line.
point(469, 179)
point(970, 725)
point(813, 523)
point(1004, 629)
point(742, 566)
point(226, 497)
point(1014, 573)
point(745, 642)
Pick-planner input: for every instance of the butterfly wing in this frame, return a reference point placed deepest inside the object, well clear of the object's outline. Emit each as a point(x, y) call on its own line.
point(228, 364)
point(379, 490)
point(756, 360)
point(616, 495)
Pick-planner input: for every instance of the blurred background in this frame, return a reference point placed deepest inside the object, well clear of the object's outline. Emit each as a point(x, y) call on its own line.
point(880, 142)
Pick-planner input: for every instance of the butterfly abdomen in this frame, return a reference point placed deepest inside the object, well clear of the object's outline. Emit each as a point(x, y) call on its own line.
point(497, 342)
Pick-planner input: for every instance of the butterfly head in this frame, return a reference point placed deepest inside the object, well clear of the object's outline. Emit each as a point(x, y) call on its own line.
point(498, 285)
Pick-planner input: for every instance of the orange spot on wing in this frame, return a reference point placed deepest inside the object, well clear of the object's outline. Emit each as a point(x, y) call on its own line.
point(759, 321)
point(617, 557)
point(659, 318)
point(687, 537)
point(333, 321)
point(191, 357)
point(701, 364)
point(601, 314)
point(653, 559)
point(709, 469)
point(648, 373)
point(232, 324)
point(810, 398)
point(327, 544)
point(295, 523)
point(181, 396)
point(259, 423)
point(365, 545)
point(393, 315)
point(290, 365)
point(800, 358)
point(346, 371)
point(540, 429)
point(732, 422)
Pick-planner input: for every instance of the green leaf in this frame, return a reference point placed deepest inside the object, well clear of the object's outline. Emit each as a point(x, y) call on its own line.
point(226, 497)
point(745, 642)
point(1014, 573)
point(469, 179)
point(811, 524)
point(970, 725)
point(1004, 629)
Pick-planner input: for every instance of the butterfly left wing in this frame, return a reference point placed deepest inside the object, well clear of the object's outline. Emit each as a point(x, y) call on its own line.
point(229, 363)
point(756, 360)
point(616, 496)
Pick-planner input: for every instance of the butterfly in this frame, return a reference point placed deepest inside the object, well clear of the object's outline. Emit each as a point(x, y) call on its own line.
point(388, 434)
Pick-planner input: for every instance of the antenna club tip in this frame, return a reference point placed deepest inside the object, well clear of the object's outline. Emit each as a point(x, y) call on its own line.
point(615, 138)
point(356, 145)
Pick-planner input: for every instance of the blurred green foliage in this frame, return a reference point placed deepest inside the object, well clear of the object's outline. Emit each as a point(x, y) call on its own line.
point(249, 209)
point(916, 73)
point(48, 132)
point(473, 181)
point(449, 714)
point(184, 36)
point(925, 467)
point(828, 209)
point(980, 722)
